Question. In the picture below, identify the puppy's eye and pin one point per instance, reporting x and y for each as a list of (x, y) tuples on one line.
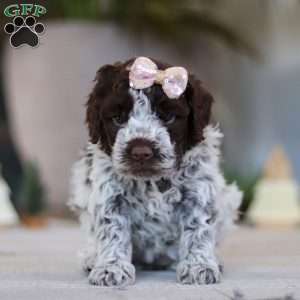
[(120, 119), (168, 118)]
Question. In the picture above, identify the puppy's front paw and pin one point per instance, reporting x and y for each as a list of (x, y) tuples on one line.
[(117, 274), (191, 273)]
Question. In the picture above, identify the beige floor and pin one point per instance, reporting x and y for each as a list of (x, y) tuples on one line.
[(43, 265)]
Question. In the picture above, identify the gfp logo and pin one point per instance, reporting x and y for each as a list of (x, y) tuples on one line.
[(24, 28)]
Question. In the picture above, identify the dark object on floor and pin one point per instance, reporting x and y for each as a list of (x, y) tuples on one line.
[(238, 295)]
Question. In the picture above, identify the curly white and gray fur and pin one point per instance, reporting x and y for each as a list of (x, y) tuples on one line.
[(130, 220)]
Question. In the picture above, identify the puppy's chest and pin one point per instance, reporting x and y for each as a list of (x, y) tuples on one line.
[(152, 205)]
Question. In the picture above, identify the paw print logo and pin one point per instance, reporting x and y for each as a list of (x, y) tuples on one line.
[(24, 31)]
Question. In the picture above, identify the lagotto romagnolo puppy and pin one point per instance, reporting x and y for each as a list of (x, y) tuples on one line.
[(148, 188)]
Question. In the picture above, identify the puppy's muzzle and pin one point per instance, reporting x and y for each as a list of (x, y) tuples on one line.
[(142, 152), (142, 157)]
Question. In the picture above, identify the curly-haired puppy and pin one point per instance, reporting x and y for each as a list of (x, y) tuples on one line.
[(148, 188)]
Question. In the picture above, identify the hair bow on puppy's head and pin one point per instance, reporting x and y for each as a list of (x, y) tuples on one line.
[(144, 73)]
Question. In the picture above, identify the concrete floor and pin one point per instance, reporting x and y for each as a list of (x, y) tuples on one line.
[(42, 265)]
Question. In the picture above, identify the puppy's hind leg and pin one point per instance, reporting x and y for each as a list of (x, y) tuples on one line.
[(228, 203), (81, 186), (88, 256)]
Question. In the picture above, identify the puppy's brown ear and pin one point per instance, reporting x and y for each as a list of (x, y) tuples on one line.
[(200, 101), (104, 80)]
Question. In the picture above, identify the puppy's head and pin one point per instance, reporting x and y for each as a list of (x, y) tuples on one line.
[(144, 131)]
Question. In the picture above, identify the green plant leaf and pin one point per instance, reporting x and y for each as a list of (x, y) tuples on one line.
[(31, 198)]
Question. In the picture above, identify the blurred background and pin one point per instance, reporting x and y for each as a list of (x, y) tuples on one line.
[(246, 52)]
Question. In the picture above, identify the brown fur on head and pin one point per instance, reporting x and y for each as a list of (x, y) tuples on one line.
[(110, 103)]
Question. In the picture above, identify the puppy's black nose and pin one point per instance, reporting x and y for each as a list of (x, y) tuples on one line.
[(141, 152)]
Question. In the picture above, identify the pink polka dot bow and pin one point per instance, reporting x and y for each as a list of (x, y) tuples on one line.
[(144, 73)]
